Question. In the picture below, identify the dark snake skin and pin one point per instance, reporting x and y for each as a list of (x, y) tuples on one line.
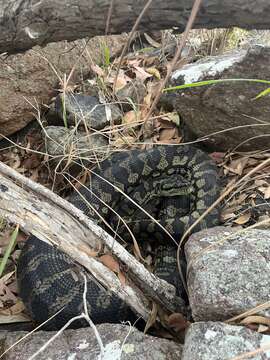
[(175, 184)]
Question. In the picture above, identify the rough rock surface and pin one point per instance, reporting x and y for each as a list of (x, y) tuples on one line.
[(119, 341), (32, 78), (217, 107), (228, 272), (219, 341), (66, 144), (85, 110)]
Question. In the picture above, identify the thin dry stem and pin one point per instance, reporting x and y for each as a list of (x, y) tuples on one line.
[(172, 64), (109, 17), (250, 312), (30, 333), (134, 28)]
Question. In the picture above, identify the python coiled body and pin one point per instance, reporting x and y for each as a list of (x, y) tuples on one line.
[(175, 184)]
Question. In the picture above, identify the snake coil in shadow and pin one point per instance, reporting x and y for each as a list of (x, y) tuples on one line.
[(175, 184)]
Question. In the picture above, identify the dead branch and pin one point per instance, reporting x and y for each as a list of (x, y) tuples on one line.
[(54, 220), (24, 24)]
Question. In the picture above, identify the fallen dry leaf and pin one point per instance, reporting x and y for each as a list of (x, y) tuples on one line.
[(171, 117), (256, 319), (124, 141), (151, 41), (178, 322), (266, 193), (13, 286), (8, 319), (120, 83), (153, 71), (122, 79), (169, 136), (147, 101), (152, 317), (260, 182), (243, 219), (110, 262), (141, 73), (6, 295), (15, 309), (131, 117), (81, 180), (134, 62), (21, 237), (97, 70), (31, 162), (263, 328), (5, 279), (237, 166), (226, 215), (14, 161)]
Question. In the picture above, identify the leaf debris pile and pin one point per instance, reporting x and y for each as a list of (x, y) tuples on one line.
[(250, 202)]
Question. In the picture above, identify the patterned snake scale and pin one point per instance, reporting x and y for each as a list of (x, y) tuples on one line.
[(175, 184)]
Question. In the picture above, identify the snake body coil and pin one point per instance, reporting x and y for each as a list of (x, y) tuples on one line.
[(174, 184)]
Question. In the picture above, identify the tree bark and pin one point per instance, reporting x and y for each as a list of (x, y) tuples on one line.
[(24, 24), (54, 220)]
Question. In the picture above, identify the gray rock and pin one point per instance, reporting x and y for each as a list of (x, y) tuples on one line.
[(85, 110), (218, 341), (82, 344), (229, 277), (215, 108), (63, 143)]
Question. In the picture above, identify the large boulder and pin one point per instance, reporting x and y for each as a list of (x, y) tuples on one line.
[(31, 79), (119, 341), (66, 145), (218, 341), (228, 272), (227, 109)]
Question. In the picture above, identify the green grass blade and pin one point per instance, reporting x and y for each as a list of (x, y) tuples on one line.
[(9, 249), (217, 81), (263, 93), (107, 56)]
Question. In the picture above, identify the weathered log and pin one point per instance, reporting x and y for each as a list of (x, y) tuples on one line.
[(24, 24), (54, 220)]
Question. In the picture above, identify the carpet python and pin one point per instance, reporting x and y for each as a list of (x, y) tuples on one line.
[(175, 184)]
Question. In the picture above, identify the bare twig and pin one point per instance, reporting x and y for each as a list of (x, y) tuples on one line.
[(250, 312), (172, 64), (109, 17), (84, 315), (135, 26)]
